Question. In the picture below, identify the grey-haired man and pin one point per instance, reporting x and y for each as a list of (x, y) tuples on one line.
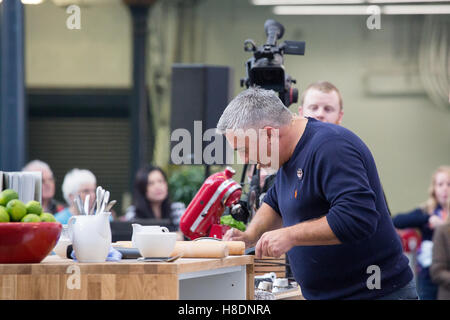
[(326, 209)]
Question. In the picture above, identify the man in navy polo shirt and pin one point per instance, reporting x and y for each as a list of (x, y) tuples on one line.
[(326, 209)]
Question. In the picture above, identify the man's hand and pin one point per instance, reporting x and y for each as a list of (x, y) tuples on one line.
[(264, 220), (237, 235), (314, 232), (274, 243)]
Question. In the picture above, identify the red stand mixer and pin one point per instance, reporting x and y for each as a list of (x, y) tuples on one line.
[(202, 216)]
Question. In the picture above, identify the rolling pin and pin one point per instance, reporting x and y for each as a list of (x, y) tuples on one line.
[(235, 248), (200, 249)]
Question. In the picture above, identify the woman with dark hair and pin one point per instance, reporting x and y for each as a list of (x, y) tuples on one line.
[(151, 197)]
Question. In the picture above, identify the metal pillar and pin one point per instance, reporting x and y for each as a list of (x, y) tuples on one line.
[(140, 113), (12, 97)]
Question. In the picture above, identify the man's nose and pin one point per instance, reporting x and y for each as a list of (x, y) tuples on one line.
[(320, 112)]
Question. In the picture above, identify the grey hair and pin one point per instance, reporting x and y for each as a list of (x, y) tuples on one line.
[(73, 181), (254, 108), (37, 165)]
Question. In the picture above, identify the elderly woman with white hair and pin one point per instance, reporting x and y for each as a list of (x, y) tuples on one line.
[(49, 204), (77, 182)]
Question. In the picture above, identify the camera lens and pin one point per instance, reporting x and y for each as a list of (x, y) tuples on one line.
[(271, 78), (294, 95)]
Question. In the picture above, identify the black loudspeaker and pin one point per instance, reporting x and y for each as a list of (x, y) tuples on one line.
[(199, 95)]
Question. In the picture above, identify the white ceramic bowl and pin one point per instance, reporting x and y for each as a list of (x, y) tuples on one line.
[(155, 245)]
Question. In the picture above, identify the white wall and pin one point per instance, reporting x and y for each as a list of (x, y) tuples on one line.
[(97, 55), (408, 136)]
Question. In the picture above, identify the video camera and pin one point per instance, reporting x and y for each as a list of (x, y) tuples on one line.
[(265, 69)]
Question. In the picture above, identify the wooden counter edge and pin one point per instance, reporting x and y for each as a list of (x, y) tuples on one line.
[(53, 265)]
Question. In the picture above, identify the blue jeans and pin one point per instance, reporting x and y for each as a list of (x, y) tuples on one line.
[(426, 288), (408, 292)]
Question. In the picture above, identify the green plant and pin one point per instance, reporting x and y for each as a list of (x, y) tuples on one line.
[(184, 182)]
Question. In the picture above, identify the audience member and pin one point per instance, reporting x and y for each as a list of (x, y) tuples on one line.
[(151, 198), (440, 265), (49, 204), (427, 218), (323, 101), (77, 182)]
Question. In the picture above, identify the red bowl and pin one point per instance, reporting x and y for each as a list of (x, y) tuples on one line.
[(27, 242)]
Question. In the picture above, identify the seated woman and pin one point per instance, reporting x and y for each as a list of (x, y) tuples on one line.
[(426, 218), (151, 198), (76, 182)]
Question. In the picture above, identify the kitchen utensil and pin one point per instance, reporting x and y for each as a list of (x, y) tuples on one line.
[(161, 259), (174, 258), (102, 196), (94, 205), (104, 201), (201, 249), (77, 208), (110, 205), (98, 197), (235, 248), (79, 204), (86, 204)]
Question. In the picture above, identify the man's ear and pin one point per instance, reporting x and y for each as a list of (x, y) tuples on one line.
[(300, 111), (341, 115)]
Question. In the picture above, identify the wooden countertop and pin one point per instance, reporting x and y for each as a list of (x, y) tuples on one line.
[(57, 265), (128, 279)]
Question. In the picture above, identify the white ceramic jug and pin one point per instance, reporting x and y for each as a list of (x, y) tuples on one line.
[(91, 236), (147, 229)]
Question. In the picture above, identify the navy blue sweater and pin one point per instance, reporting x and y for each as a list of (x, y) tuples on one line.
[(332, 173)]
